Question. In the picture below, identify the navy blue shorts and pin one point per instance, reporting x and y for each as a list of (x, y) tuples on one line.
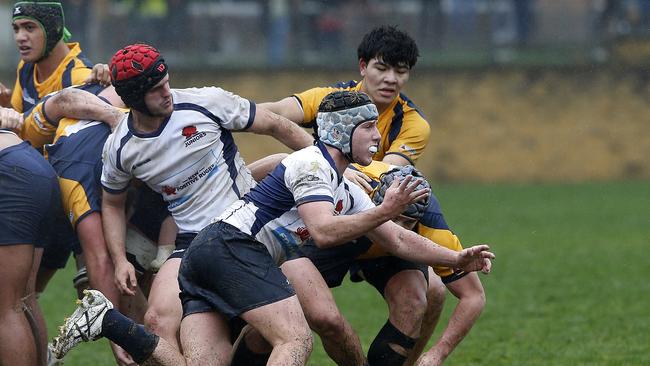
[(334, 263), (183, 242), (228, 271), (29, 195), (378, 271), (62, 243)]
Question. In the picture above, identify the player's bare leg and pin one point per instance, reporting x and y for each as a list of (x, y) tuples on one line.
[(163, 316), (17, 343), (283, 324), (436, 294), (40, 327), (206, 339), (471, 296), (339, 339), (405, 294), (99, 265)]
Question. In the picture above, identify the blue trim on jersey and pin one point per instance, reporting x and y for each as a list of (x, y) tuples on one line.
[(396, 123), (26, 79), (347, 189), (315, 198), (125, 139), (66, 79), (346, 84), (156, 133), (328, 157), (229, 153), (115, 191), (433, 217), (93, 88), (251, 114), (197, 108), (81, 56), (50, 121), (402, 155), (271, 197), (410, 103)]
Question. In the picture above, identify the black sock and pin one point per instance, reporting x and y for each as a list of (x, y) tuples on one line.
[(381, 353), (124, 332), (244, 356)]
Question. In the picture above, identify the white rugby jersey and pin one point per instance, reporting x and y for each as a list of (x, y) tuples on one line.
[(269, 212), (192, 159)]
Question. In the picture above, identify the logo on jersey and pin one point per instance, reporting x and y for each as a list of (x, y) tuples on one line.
[(203, 172), (407, 149), (39, 120), (192, 135), (169, 190), (188, 131), (303, 233), (338, 208)]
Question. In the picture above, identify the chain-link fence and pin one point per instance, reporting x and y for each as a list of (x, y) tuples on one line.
[(325, 33)]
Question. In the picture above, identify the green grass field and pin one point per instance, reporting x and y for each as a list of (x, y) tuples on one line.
[(569, 286)]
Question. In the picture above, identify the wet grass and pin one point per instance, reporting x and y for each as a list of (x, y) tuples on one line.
[(569, 286)]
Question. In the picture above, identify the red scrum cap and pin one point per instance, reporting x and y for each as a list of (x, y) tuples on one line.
[(134, 70)]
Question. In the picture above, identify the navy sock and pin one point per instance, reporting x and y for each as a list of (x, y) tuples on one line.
[(124, 332), (381, 353)]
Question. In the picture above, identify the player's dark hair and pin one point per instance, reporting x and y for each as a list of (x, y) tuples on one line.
[(391, 45)]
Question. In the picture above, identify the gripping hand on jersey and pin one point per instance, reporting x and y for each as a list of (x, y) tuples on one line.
[(100, 74), (10, 118), (359, 179), (401, 194), (5, 96)]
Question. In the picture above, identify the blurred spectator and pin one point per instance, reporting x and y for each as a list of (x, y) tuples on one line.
[(524, 20), (77, 14), (279, 26)]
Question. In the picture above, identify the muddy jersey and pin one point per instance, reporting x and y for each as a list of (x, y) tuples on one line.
[(191, 160), (269, 212)]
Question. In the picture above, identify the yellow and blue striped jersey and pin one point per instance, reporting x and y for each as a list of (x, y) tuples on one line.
[(403, 128), (73, 70)]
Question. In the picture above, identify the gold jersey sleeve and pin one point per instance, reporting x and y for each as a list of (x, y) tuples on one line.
[(403, 128)]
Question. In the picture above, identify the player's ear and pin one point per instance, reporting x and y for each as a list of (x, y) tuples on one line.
[(363, 65)]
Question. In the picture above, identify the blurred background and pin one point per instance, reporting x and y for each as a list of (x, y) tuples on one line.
[(515, 90)]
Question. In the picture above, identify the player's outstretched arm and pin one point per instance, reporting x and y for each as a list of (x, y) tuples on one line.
[(414, 247), (288, 107), (79, 104), (282, 129)]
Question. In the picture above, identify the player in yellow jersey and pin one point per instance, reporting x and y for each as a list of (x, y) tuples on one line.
[(398, 280), (47, 64), (386, 56)]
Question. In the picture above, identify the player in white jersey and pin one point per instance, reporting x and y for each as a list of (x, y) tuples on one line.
[(229, 273), (179, 143)]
